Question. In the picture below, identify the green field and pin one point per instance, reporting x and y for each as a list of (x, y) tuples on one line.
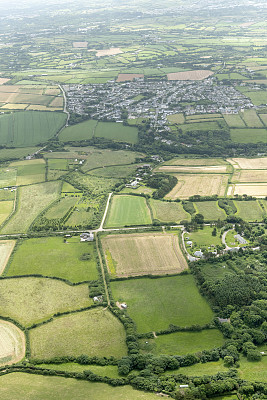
[(97, 158), (155, 303), (31, 201), (52, 257), (6, 208), (128, 210), (200, 126), (8, 177), (81, 131), (29, 128), (234, 121), (117, 131), (116, 171), (251, 119), (168, 212), (249, 210), (183, 342), (203, 238), (29, 172), (249, 135), (60, 209), (58, 163), (14, 154), (16, 386), (31, 300), (95, 332), (257, 97), (210, 210)]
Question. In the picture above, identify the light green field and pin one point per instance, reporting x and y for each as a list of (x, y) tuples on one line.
[(52, 257), (8, 177), (257, 97), (183, 342), (231, 241), (210, 210), (168, 212), (58, 163), (251, 119), (234, 121), (16, 386), (31, 300), (141, 189), (176, 118), (30, 173), (81, 131), (7, 195), (6, 208), (95, 332), (29, 128), (31, 201), (117, 131), (61, 207), (106, 157), (200, 126), (68, 188), (128, 210), (155, 303), (249, 210), (204, 238), (108, 370), (116, 171), (249, 135)]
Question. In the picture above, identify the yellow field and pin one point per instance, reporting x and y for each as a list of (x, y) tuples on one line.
[(12, 343), (253, 189), (210, 169), (6, 248), (198, 184), (249, 163), (57, 102), (27, 162), (109, 52), (3, 80), (141, 254), (196, 75), (11, 106), (196, 161), (176, 118), (250, 176)]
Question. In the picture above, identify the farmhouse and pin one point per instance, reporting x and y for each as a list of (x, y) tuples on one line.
[(198, 253), (240, 239), (87, 237)]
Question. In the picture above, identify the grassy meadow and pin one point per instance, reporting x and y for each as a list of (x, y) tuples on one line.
[(210, 210), (249, 210), (168, 212)]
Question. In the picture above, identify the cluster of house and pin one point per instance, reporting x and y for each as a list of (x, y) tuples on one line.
[(155, 100)]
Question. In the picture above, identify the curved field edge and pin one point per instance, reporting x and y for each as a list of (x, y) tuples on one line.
[(12, 343)]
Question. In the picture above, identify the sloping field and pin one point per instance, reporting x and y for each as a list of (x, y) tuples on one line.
[(29, 171), (94, 332), (8, 177), (249, 135), (196, 75), (16, 386), (128, 210), (198, 184), (155, 303), (29, 128), (6, 248), (253, 189), (146, 253), (31, 201), (12, 343), (6, 207), (168, 211), (117, 131), (234, 121), (249, 210), (251, 163), (29, 300), (251, 119), (81, 131), (210, 210), (251, 176), (211, 169), (196, 162)]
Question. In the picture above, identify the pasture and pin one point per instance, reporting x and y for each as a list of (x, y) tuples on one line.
[(117, 131), (29, 171), (182, 343), (141, 254), (94, 332), (30, 300), (155, 303), (168, 211), (60, 209), (210, 210), (234, 121), (57, 163), (200, 126), (8, 177), (16, 385), (198, 184), (128, 210), (176, 118), (12, 343), (249, 211), (82, 131), (203, 238), (29, 128), (6, 208), (249, 135), (251, 119), (6, 248), (13, 154), (53, 257), (116, 171), (31, 201)]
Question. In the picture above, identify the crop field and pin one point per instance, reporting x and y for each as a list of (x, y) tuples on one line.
[(197, 75), (234, 121), (250, 163), (94, 332), (128, 77), (250, 176), (6, 208), (31, 201), (117, 131), (12, 154), (29, 128), (210, 210), (253, 189), (249, 135), (82, 131), (97, 158), (155, 303), (168, 212), (145, 253), (182, 343), (60, 209), (12, 343), (211, 169), (6, 248), (16, 385), (29, 171), (198, 184), (29, 300), (251, 119), (58, 163), (34, 256), (249, 210), (128, 210), (203, 162)]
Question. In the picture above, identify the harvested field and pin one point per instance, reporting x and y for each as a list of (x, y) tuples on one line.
[(6, 248), (196, 75), (250, 163), (94, 332), (250, 176), (80, 45), (146, 253), (31, 300), (196, 161), (4, 80), (12, 343), (57, 102), (128, 77), (198, 184), (253, 189), (212, 169), (168, 211), (109, 52)]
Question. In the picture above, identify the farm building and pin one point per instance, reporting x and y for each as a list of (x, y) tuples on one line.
[(240, 239), (198, 253), (87, 237)]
